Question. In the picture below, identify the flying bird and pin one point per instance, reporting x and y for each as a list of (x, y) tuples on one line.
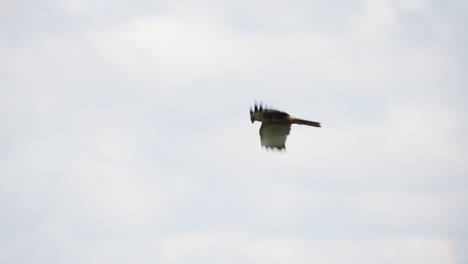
[(276, 125)]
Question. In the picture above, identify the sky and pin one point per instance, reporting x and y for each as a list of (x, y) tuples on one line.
[(125, 135)]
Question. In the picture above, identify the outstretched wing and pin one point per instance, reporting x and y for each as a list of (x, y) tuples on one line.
[(273, 135)]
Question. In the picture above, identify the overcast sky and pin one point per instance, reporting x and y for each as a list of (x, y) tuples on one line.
[(125, 135)]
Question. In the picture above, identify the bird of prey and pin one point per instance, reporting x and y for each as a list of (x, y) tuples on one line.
[(275, 126)]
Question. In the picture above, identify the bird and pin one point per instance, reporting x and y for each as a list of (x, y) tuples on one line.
[(276, 125)]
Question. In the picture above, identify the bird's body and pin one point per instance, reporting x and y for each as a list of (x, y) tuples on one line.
[(273, 135), (276, 126)]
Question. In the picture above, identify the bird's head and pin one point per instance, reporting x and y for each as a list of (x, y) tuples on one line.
[(254, 114)]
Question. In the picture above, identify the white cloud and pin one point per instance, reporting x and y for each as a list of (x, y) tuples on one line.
[(112, 181), (189, 44), (376, 21), (410, 211), (237, 247), (414, 5), (282, 202)]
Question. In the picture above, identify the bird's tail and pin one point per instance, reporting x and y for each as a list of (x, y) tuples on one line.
[(304, 122)]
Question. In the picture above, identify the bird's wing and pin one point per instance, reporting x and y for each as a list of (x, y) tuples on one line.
[(273, 135)]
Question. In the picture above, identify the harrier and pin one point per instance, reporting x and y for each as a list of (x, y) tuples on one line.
[(275, 126)]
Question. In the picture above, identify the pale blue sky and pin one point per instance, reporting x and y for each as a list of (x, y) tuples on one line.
[(125, 135)]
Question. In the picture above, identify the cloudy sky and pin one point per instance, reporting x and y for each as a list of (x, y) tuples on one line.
[(125, 135)]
